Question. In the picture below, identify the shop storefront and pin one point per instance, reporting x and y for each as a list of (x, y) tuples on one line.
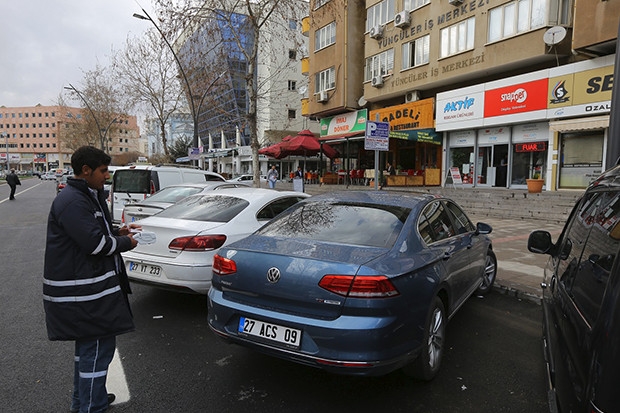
[(550, 125), (415, 147), (582, 158)]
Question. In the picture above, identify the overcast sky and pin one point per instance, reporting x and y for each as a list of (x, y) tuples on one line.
[(47, 44)]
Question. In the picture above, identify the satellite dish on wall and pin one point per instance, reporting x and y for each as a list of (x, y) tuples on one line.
[(362, 101), (554, 35), (302, 90)]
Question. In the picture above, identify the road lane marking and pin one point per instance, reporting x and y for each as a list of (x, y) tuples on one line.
[(116, 381)]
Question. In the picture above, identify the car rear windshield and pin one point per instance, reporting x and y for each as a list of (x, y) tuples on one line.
[(133, 181), (212, 208), (353, 224), (173, 194)]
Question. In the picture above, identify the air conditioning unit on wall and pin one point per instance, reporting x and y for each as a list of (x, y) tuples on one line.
[(322, 97), (377, 81), (412, 96), (376, 32), (402, 19)]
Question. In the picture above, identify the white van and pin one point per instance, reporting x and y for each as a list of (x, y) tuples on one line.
[(135, 183)]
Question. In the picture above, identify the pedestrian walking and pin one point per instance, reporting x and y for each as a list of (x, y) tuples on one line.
[(272, 177), (13, 180), (85, 284), (299, 174)]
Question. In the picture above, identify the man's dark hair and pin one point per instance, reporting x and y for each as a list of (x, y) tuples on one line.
[(88, 155)]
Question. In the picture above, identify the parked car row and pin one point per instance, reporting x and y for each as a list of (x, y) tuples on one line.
[(364, 283), (135, 183), (356, 283)]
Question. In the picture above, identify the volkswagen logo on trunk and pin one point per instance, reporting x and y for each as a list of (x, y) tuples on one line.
[(273, 275)]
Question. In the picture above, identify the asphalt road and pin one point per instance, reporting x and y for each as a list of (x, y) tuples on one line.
[(173, 363)]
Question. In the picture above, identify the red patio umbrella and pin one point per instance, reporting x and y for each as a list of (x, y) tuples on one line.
[(306, 144)]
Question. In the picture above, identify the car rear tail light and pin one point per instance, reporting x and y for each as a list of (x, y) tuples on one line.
[(123, 217), (378, 286), (198, 243), (223, 266), (152, 188)]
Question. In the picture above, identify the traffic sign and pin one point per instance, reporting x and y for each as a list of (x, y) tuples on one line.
[(377, 136)]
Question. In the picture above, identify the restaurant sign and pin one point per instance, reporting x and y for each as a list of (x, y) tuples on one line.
[(410, 121)]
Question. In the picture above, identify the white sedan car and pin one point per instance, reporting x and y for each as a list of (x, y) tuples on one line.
[(190, 232), (167, 196), (248, 179)]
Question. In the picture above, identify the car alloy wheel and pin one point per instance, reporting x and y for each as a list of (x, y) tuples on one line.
[(488, 277), (426, 366)]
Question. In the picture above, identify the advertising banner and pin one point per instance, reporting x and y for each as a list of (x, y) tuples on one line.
[(519, 98), (346, 124)]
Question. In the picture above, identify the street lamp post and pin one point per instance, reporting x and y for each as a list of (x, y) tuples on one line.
[(195, 110), (101, 136)]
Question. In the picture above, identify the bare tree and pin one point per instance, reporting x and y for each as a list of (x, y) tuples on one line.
[(148, 74), (75, 130), (104, 107), (242, 20)]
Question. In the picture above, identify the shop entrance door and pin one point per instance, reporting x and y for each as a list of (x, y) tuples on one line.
[(483, 161), (491, 165)]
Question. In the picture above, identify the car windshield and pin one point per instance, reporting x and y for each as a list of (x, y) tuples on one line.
[(173, 194), (132, 180), (212, 208), (343, 223)]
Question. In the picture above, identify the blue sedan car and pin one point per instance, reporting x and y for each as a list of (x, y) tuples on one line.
[(359, 283)]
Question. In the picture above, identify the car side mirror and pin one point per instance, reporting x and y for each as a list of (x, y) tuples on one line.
[(540, 242), (482, 228)]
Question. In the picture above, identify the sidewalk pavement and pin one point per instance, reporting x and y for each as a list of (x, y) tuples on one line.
[(519, 272)]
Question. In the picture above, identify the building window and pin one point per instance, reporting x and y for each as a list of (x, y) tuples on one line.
[(416, 52), (292, 114), (380, 64), (292, 85), (379, 14), (325, 80), (516, 17), (414, 4), (457, 38), (292, 24), (325, 36)]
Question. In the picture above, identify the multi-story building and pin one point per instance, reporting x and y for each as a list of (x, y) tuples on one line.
[(178, 126), (502, 90), (218, 81), (33, 136)]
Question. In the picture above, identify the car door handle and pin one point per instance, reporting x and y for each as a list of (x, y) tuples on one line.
[(447, 255)]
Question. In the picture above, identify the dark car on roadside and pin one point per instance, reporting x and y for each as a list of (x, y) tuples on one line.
[(353, 282), (581, 302)]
